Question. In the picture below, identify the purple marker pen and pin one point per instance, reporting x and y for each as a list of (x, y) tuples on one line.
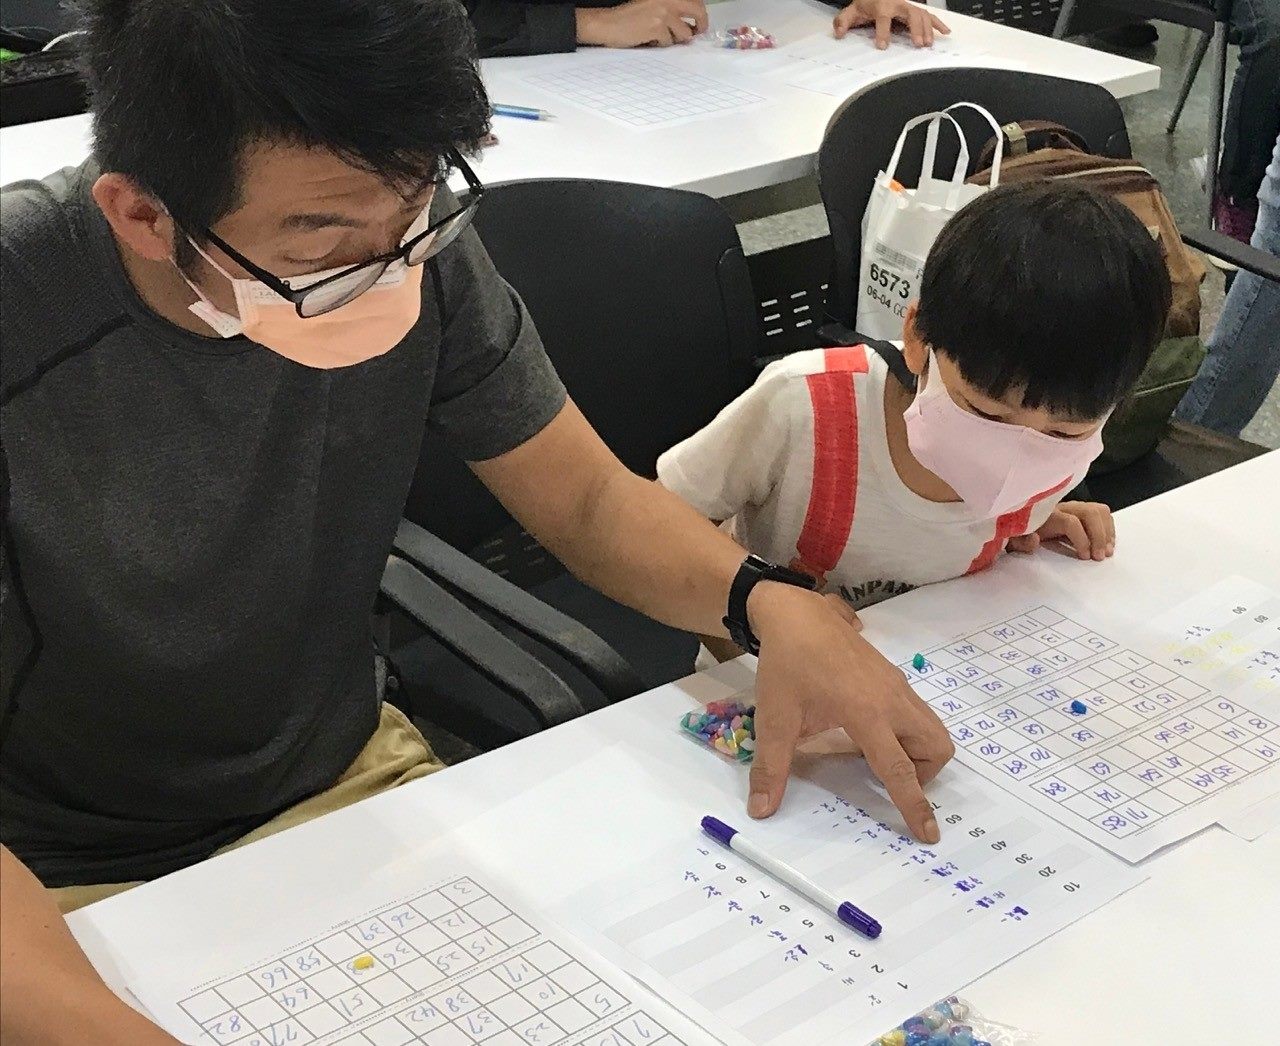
[(784, 873)]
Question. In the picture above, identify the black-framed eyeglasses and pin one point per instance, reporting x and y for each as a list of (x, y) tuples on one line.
[(333, 292)]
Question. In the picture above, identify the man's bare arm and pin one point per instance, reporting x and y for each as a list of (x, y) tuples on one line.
[(642, 545), (50, 994)]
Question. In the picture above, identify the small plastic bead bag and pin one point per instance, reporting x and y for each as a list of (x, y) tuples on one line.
[(744, 38)]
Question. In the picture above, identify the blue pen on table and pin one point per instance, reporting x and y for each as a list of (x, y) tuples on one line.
[(521, 112), (784, 873)]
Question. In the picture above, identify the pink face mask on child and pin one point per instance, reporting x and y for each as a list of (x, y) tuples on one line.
[(995, 467)]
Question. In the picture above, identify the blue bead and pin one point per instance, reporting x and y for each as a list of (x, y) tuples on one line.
[(940, 1038), (961, 1035), (1079, 708), (918, 1038), (945, 1009)]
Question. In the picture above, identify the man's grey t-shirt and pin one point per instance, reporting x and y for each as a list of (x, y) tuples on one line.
[(195, 530)]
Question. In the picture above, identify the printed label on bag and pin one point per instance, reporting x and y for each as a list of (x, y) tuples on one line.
[(893, 280)]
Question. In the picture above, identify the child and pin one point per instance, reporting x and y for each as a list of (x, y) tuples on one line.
[(877, 471)]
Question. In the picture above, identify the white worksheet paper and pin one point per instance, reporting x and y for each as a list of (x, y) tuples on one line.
[(1254, 820), (456, 960), (821, 63), (1181, 721), (749, 958), (642, 92)]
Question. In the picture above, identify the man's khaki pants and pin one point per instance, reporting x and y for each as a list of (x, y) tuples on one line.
[(397, 752)]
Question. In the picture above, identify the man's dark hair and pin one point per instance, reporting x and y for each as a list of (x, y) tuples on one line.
[(1048, 288), (180, 87)]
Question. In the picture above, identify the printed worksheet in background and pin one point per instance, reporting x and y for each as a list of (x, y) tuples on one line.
[(643, 92), (821, 63), (437, 952), (749, 958), (1134, 733)]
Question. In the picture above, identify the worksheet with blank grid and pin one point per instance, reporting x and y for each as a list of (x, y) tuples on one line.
[(449, 966), (1169, 733), (642, 92)]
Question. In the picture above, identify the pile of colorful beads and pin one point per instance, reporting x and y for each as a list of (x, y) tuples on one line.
[(745, 38), (940, 1025), (727, 726)]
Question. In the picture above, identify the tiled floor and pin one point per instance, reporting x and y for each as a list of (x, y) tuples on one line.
[(789, 213)]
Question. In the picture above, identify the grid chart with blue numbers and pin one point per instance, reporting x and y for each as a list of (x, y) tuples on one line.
[(1151, 743), (452, 966)]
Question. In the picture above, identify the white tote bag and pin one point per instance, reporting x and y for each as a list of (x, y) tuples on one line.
[(900, 225)]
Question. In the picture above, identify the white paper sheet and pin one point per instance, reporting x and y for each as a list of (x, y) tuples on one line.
[(757, 963), (1254, 820), (456, 960), (641, 92), (1181, 720), (821, 63)]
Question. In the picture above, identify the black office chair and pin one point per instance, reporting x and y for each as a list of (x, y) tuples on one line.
[(44, 82), (457, 726), (859, 141), (643, 300)]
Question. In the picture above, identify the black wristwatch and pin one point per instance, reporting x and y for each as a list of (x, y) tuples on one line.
[(752, 572)]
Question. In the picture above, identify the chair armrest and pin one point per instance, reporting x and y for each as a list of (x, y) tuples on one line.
[(546, 696), (1242, 255), (587, 652), (834, 334)]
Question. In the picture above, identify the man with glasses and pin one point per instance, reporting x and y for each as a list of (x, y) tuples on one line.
[(223, 336)]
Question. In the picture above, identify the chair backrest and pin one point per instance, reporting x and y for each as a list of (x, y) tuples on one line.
[(41, 87), (644, 303), (861, 136)]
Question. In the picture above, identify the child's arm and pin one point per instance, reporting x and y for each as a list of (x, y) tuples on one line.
[(738, 458), (1087, 527)]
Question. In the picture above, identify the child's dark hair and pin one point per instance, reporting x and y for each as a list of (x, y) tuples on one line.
[(1049, 288)]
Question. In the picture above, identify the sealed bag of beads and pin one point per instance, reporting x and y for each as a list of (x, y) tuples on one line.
[(727, 726), (744, 38), (953, 1022)]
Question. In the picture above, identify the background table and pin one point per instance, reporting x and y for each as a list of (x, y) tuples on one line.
[(1182, 957), (719, 155)]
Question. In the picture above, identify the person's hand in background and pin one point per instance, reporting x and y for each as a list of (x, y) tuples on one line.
[(641, 23), (884, 15)]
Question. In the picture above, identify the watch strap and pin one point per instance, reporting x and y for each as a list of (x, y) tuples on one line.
[(754, 569)]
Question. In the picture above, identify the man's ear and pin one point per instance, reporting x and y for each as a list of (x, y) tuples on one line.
[(914, 349), (138, 220)]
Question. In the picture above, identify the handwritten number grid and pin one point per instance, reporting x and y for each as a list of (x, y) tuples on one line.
[(643, 93), (766, 961), (1152, 742), (939, 884), (534, 995)]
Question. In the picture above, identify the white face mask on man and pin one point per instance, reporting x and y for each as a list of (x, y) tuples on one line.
[(368, 326), (993, 466)]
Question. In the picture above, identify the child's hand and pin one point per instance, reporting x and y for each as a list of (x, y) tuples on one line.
[(1084, 525), (844, 610)]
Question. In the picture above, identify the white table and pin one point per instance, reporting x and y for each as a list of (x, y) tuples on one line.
[(1183, 956), (719, 155)]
